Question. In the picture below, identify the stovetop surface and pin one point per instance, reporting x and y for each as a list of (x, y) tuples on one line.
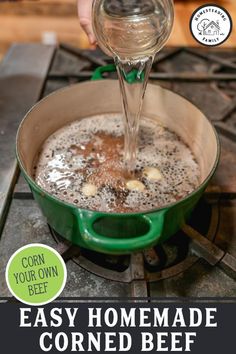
[(187, 266)]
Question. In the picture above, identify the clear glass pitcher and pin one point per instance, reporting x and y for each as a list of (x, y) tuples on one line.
[(132, 29)]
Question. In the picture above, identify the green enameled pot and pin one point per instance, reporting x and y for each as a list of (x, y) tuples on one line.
[(115, 233)]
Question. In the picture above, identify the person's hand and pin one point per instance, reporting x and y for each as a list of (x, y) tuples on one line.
[(85, 18)]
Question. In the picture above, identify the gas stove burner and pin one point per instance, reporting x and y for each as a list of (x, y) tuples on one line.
[(203, 254), (157, 263)]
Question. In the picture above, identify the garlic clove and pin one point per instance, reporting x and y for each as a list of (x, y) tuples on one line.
[(152, 173), (135, 185), (89, 190)]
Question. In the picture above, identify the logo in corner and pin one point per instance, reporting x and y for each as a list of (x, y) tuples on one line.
[(211, 25)]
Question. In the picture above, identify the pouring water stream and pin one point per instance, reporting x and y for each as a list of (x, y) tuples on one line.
[(132, 98), (132, 31)]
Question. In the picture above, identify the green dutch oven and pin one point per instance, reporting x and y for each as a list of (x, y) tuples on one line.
[(115, 233)]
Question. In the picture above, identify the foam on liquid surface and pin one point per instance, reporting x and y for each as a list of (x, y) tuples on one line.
[(90, 152)]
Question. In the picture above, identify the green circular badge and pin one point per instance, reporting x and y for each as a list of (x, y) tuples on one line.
[(36, 274)]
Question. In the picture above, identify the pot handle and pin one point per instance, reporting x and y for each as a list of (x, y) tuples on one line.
[(131, 77), (97, 74), (112, 245)]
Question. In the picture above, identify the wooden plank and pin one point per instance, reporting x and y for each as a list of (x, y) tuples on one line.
[(56, 8), (26, 21), (22, 76), (32, 29)]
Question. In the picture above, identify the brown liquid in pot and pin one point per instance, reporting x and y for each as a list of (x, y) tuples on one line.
[(82, 164)]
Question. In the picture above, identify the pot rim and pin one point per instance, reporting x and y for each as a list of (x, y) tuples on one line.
[(106, 213)]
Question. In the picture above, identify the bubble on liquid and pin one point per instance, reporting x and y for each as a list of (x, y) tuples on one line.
[(74, 163)]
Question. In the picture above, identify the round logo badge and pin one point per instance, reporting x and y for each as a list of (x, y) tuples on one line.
[(36, 274), (211, 25)]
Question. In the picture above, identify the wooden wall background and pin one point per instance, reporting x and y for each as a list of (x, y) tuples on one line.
[(28, 20)]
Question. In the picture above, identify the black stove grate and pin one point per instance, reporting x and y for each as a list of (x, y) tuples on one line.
[(199, 260), (162, 261)]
